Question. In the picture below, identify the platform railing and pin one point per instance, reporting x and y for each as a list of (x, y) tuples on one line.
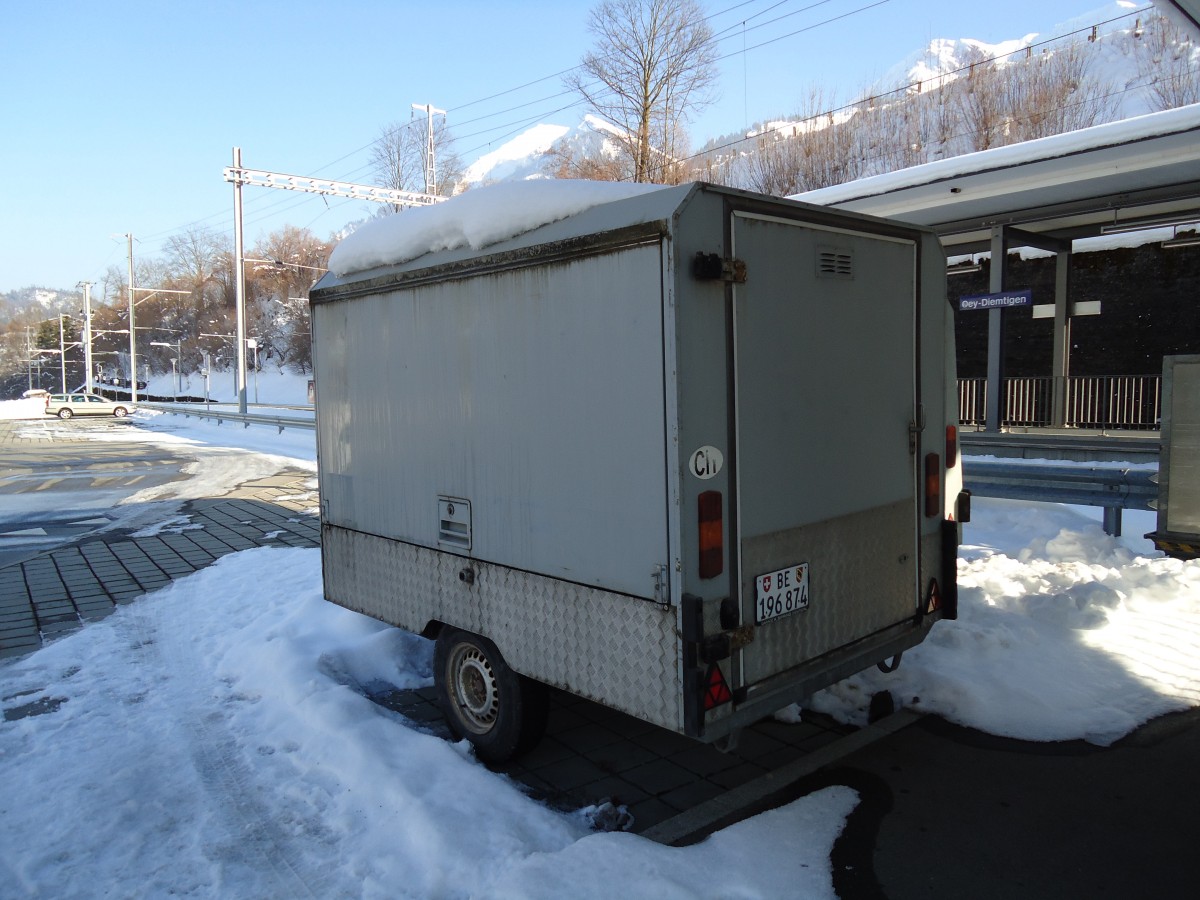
[(1101, 402)]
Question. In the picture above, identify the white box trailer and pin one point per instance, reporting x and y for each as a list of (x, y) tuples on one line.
[(689, 454)]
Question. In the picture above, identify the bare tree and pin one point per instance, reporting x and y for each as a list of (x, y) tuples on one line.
[(772, 165), (398, 156), (199, 260), (891, 133), (817, 150), (1169, 60), (195, 255), (278, 290), (1034, 96), (565, 160), (716, 167), (979, 99), (1055, 92), (654, 65)]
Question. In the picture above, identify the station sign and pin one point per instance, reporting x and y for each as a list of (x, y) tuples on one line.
[(1001, 300)]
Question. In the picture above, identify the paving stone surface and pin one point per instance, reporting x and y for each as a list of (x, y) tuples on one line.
[(592, 755), (60, 589)]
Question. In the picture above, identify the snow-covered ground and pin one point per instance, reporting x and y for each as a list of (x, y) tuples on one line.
[(216, 738)]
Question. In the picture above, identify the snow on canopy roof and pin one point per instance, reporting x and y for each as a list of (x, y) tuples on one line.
[(476, 219), (1111, 134), (1066, 187)]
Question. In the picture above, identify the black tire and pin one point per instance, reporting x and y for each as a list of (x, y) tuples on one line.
[(65, 413), (120, 412), (503, 714)]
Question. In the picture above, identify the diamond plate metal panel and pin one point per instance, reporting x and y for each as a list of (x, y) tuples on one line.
[(617, 650), (861, 579)]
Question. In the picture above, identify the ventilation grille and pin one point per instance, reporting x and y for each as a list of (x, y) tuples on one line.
[(835, 263)]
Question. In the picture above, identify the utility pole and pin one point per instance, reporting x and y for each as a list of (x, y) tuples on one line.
[(150, 292), (132, 330), (87, 333), (62, 353), (430, 170), (239, 275)]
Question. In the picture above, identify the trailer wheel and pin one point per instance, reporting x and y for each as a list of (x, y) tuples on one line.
[(499, 711)]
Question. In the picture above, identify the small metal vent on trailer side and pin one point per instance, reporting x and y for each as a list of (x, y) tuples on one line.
[(454, 523), (834, 262)]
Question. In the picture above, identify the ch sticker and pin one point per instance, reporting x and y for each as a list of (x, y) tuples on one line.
[(706, 462)]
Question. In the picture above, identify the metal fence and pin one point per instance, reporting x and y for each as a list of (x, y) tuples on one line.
[(1105, 401)]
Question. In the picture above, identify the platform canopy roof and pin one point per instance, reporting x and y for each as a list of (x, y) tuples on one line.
[(1109, 178)]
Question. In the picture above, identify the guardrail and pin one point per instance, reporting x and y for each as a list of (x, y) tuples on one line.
[(1103, 401), (224, 415), (1112, 488)]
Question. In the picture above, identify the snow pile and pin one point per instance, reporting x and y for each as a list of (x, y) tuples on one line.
[(216, 739), (27, 408), (1063, 633), (476, 219)]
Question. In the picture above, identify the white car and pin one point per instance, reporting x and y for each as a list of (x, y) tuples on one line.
[(67, 405)]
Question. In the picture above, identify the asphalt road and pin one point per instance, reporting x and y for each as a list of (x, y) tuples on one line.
[(951, 812), (64, 488)]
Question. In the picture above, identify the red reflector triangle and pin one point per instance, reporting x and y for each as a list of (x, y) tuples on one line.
[(716, 690), (935, 597)]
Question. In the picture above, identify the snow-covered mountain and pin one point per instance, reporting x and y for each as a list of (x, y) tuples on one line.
[(1112, 52), (520, 157), (37, 300), (526, 155)]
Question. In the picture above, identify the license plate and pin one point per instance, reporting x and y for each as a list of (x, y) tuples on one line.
[(781, 593)]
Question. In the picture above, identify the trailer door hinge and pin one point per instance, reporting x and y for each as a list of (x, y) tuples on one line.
[(915, 427), (714, 267), (662, 585)]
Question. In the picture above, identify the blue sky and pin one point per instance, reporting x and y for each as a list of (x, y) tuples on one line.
[(120, 116)]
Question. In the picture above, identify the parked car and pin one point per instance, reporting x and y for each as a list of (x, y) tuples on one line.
[(67, 405)]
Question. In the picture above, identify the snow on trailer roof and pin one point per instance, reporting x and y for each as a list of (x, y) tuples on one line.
[(497, 218), (1067, 186), (509, 218)]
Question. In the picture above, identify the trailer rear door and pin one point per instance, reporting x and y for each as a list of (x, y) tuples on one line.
[(825, 362)]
